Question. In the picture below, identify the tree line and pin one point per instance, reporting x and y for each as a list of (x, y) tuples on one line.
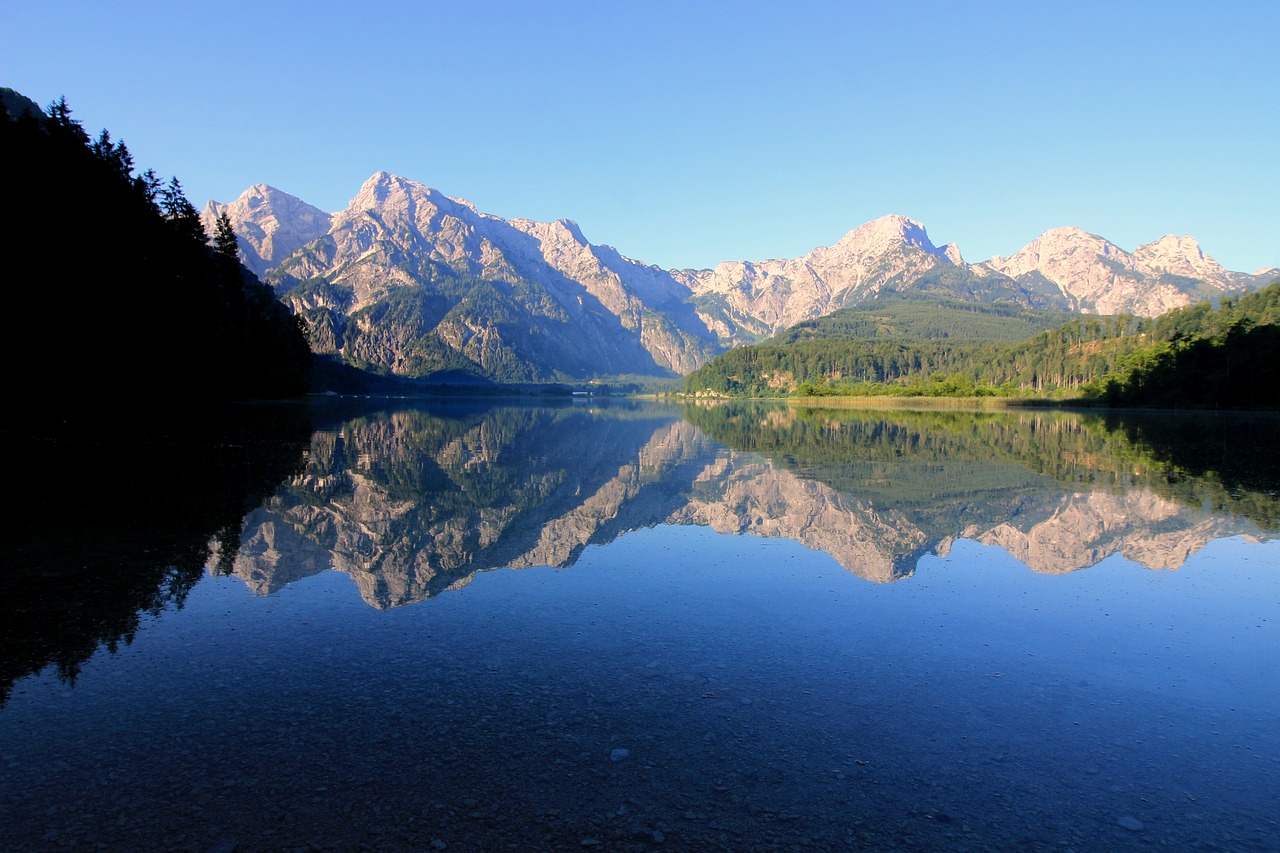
[(115, 287), (1191, 357)]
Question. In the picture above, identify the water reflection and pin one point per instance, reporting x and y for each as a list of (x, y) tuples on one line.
[(412, 503), (679, 689), (115, 519)]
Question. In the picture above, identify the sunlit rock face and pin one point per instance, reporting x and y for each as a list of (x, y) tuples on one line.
[(562, 307), (892, 253), (1181, 256), (270, 225), (558, 306), (1098, 277)]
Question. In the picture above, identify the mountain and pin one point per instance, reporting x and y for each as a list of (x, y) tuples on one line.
[(409, 281), (16, 104), (913, 347), (1096, 276), (889, 254), (270, 225)]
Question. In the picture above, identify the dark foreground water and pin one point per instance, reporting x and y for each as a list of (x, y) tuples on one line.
[(737, 629)]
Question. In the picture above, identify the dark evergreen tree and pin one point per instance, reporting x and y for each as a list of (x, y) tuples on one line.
[(224, 238), (61, 125), (130, 301), (116, 156), (147, 185), (181, 213)]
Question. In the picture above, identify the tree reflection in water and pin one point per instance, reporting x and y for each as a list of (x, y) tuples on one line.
[(116, 517), (121, 520), (413, 503), (765, 699)]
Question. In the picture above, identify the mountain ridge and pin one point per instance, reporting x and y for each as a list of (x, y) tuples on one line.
[(587, 310)]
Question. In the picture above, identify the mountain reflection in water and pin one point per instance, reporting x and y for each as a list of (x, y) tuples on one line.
[(182, 669), (413, 503)]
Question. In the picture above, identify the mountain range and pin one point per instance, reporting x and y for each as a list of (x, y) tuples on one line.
[(409, 281)]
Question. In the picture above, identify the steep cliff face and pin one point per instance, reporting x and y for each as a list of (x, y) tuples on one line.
[(416, 283), (648, 301), (1098, 277), (892, 253), (270, 225)]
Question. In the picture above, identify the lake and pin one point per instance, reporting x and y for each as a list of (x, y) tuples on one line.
[(621, 625)]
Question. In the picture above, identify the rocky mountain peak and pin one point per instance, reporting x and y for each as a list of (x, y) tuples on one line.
[(384, 188), (397, 232), (270, 224), (1090, 272), (1180, 256), (572, 228), (1185, 246), (1070, 237), (885, 234), (1058, 246), (1097, 276), (562, 233), (402, 196), (258, 195)]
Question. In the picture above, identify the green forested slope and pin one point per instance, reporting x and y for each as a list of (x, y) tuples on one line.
[(1188, 357), (914, 318)]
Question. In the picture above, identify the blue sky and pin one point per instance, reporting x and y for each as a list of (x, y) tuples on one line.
[(688, 133)]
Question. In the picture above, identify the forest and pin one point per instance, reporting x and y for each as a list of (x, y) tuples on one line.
[(115, 289), (1193, 357)]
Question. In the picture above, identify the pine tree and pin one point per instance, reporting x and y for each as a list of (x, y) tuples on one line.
[(147, 185), (181, 213), (224, 239), (61, 124), (116, 155)]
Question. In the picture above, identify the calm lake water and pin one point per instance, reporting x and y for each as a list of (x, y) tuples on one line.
[(640, 627)]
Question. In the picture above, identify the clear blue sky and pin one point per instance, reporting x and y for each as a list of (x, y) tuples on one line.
[(687, 133)]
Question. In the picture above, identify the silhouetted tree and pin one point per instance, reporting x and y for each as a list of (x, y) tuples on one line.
[(181, 213), (224, 238), (132, 301), (62, 125), (116, 156)]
